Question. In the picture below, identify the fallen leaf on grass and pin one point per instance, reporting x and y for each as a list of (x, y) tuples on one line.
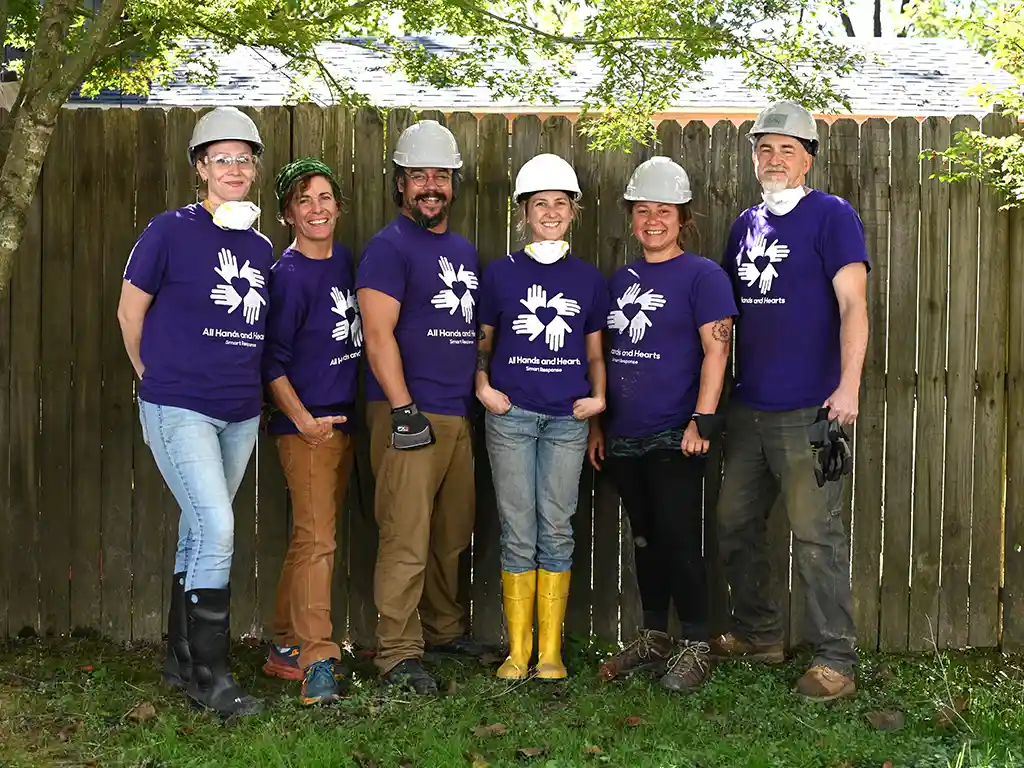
[(494, 729), (452, 688), (530, 752), (405, 762), (948, 715), (592, 750), (887, 719), (476, 760), (140, 713), (87, 668), (69, 730), (633, 721), (185, 730), (887, 764), (362, 760)]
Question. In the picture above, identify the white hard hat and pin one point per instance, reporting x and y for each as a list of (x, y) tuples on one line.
[(224, 124), (546, 172), (427, 144), (659, 180), (786, 118)]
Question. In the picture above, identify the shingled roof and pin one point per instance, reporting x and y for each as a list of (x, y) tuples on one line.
[(912, 76)]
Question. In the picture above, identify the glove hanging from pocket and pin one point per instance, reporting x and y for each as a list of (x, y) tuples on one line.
[(410, 429), (832, 455)]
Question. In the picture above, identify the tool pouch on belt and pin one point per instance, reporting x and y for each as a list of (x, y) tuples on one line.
[(410, 429), (832, 455)]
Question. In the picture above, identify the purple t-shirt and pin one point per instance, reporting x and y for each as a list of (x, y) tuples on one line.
[(202, 338), (656, 354), (435, 278), (314, 335), (543, 314), (788, 353)]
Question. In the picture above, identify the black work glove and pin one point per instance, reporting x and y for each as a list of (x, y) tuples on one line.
[(832, 455), (709, 425), (410, 429)]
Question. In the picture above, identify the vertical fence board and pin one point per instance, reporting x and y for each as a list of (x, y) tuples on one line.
[(1013, 565), (723, 203), (26, 291), (6, 520), (869, 464), (87, 272), (57, 353), (525, 144), (492, 211), (150, 496), (899, 391), (931, 416), (272, 509), (960, 378), (371, 210), (990, 417), (120, 130)]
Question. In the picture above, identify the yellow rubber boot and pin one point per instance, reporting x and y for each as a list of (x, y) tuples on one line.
[(519, 590), (552, 595)]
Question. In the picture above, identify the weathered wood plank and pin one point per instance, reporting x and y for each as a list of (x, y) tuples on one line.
[(960, 379), (87, 275), (931, 416), (1013, 543), (7, 542), (26, 292), (899, 390), (308, 124), (57, 354), (525, 145), (990, 411), (723, 201), (870, 430)]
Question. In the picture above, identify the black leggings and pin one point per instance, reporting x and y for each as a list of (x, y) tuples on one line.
[(662, 492)]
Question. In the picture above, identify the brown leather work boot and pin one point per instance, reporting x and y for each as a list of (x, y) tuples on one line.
[(821, 683), (731, 646), (689, 669), (650, 650)]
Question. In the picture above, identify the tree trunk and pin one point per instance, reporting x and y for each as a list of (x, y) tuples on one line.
[(845, 18), (878, 18)]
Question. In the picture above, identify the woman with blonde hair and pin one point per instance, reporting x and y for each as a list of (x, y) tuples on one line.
[(542, 311)]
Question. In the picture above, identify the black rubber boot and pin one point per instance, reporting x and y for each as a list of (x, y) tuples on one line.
[(178, 663), (212, 685)]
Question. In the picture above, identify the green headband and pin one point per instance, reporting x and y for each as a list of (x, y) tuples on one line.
[(293, 170)]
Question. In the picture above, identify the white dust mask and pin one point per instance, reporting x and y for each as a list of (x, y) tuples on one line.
[(782, 202), (236, 214), (547, 251)]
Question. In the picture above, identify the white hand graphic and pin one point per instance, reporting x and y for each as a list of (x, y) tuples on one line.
[(617, 321), (466, 302), (226, 296), (651, 300), (446, 299), (252, 275), (528, 325), (447, 273), (756, 249), (340, 303), (767, 276), (563, 306), (776, 252), (638, 326), (467, 277), (536, 298), (748, 273), (629, 296), (228, 269), (340, 332), (356, 330), (252, 304), (554, 334)]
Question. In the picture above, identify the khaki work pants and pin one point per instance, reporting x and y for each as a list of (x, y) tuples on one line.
[(425, 503), (317, 480)]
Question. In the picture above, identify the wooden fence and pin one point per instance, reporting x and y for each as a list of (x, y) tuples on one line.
[(87, 528)]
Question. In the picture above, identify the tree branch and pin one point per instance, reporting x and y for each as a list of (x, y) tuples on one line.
[(3, 24), (91, 47), (877, 16), (845, 17)]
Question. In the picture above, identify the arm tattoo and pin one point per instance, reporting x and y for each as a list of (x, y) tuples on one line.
[(483, 360), (721, 331)]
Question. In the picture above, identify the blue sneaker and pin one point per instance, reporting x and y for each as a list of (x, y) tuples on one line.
[(320, 686), (283, 662)]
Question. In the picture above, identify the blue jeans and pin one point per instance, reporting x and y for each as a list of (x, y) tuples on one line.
[(535, 465), (202, 460)]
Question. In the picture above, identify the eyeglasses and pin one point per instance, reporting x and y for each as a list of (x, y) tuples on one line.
[(226, 161), (419, 178)]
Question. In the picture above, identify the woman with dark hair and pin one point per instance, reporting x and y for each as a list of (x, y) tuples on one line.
[(193, 310), (670, 329), (314, 341)]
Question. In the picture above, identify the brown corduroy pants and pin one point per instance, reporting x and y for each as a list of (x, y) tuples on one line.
[(425, 503)]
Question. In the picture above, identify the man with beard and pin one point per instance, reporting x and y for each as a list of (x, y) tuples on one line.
[(799, 264), (417, 286)]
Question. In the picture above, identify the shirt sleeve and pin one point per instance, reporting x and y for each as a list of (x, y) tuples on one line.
[(489, 309), (843, 240), (713, 297), (598, 314), (382, 268), (147, 262), (288, 306)]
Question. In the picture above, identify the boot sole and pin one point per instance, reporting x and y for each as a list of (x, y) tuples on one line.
[(765, 657), (847, 690), (272, 669)]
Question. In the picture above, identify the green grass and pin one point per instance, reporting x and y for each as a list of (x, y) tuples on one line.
[(68, 702)]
